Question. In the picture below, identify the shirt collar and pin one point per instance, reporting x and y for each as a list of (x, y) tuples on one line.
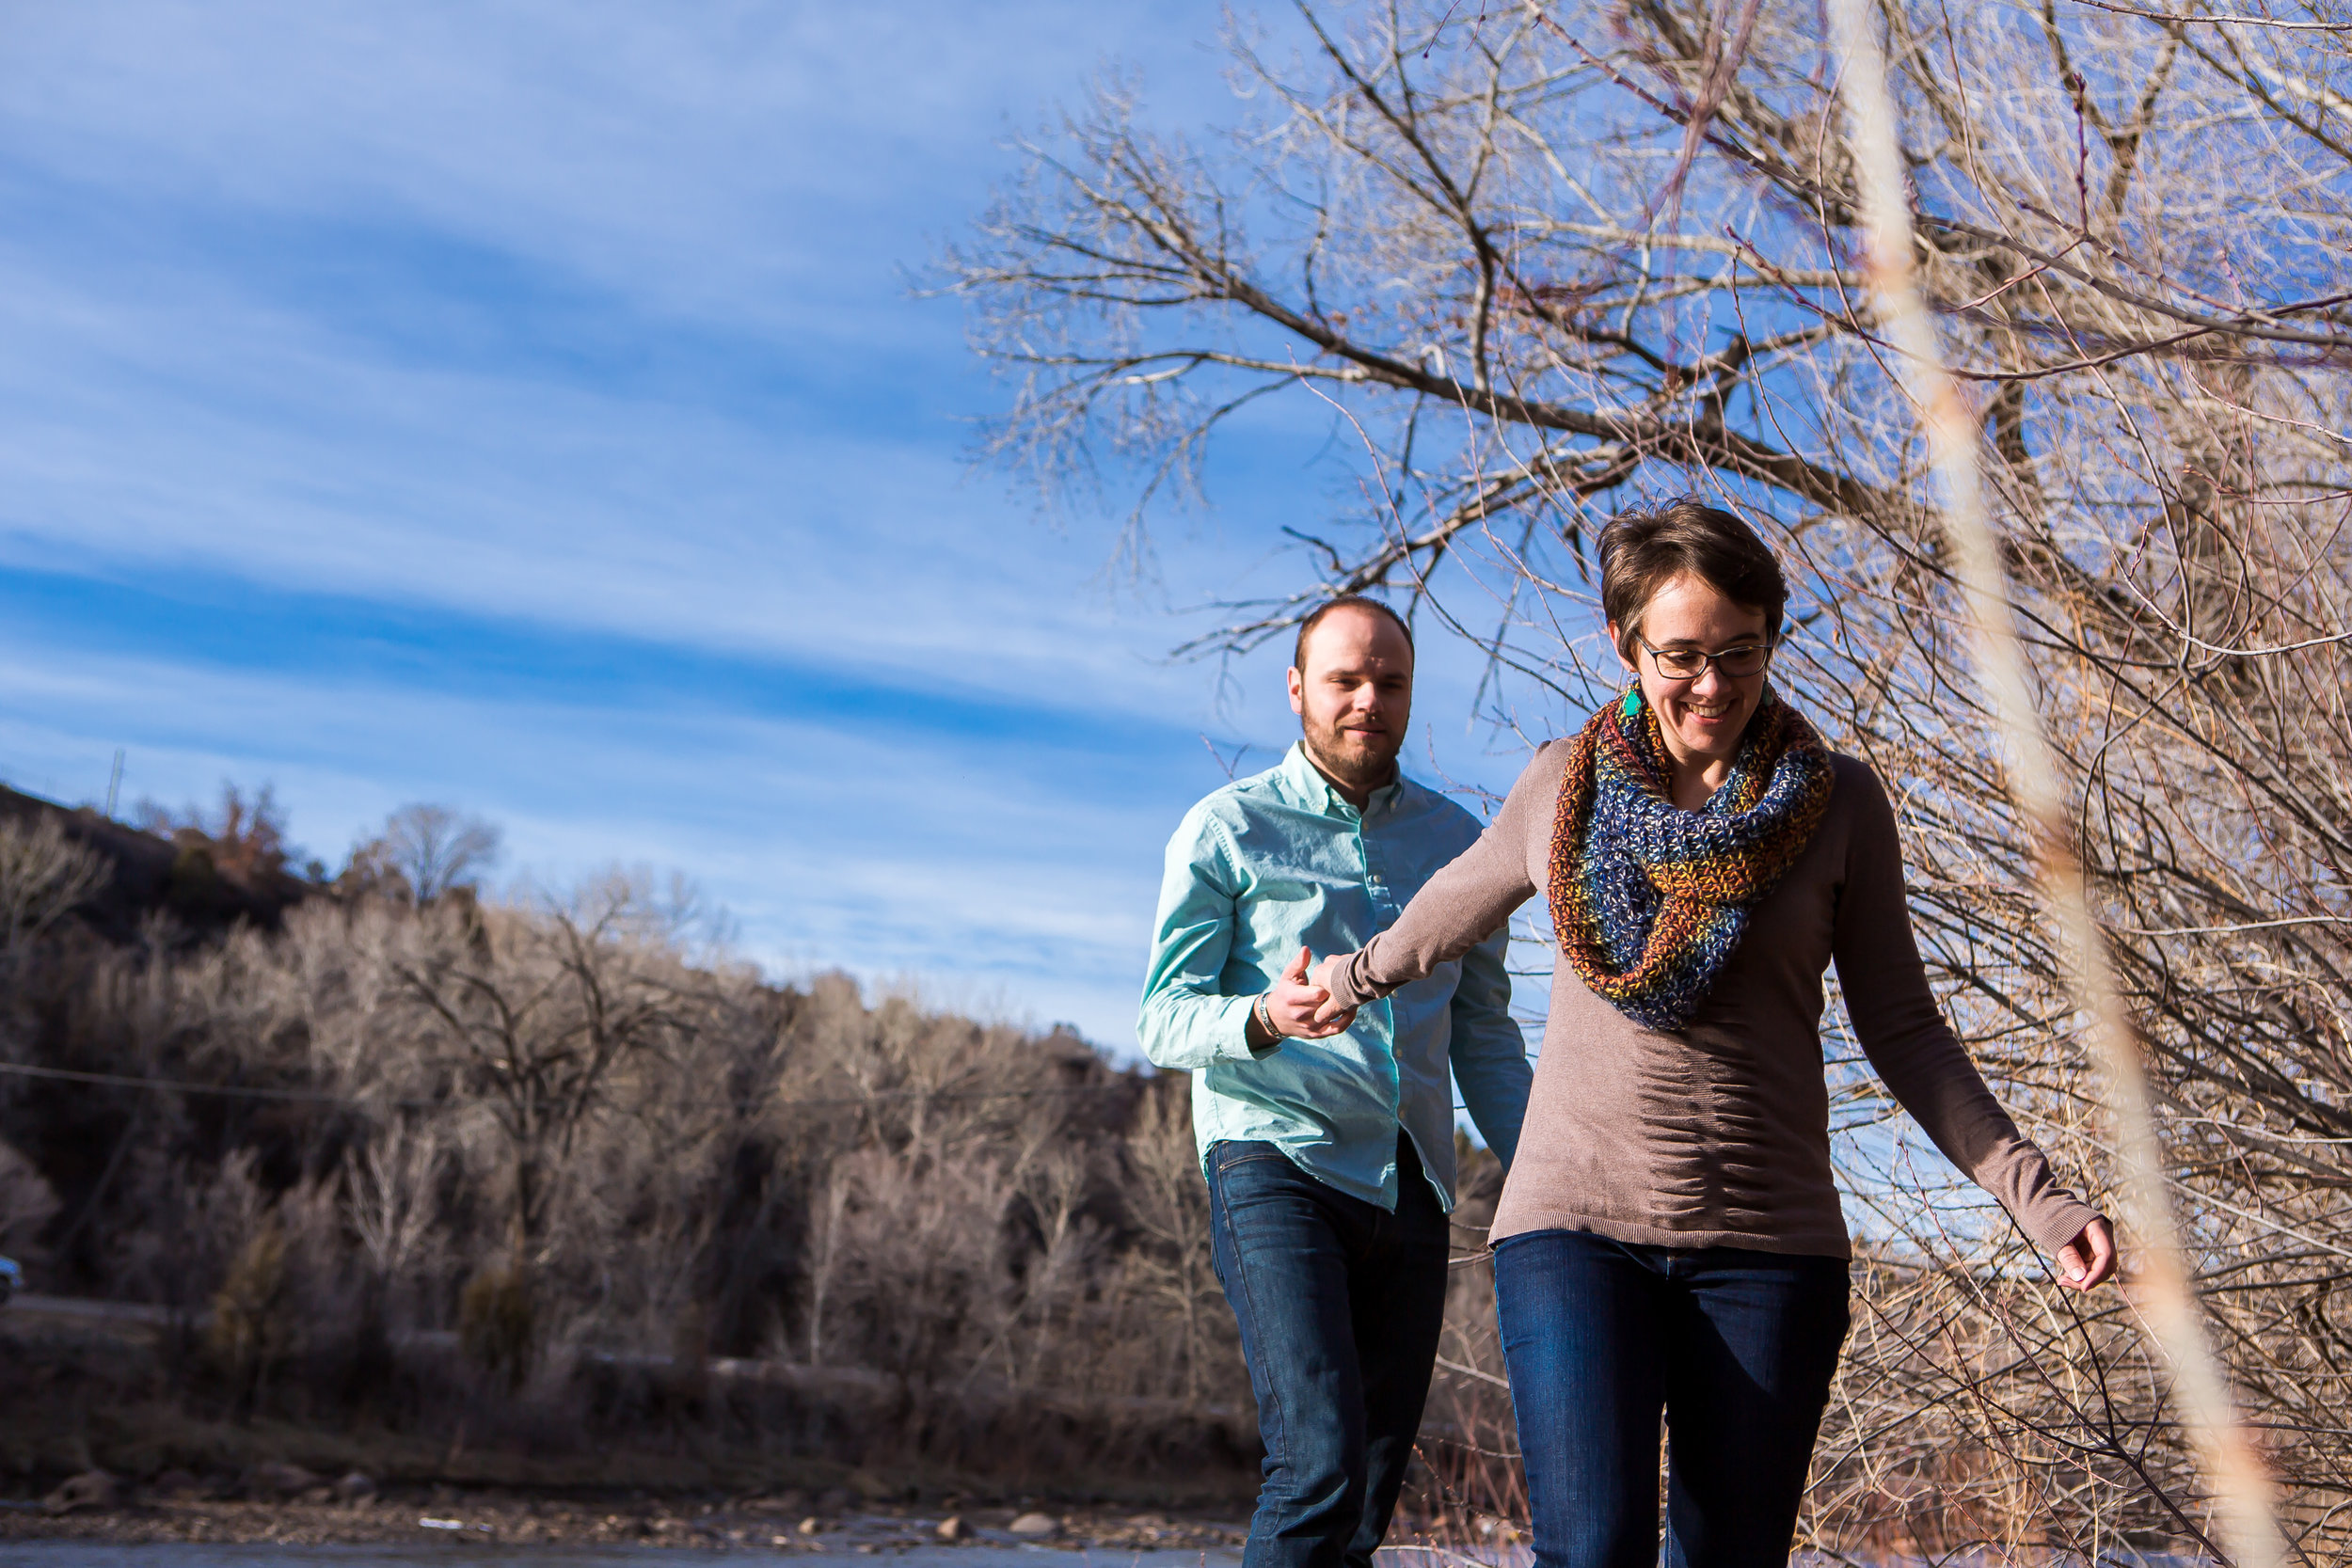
[(1305, 781)]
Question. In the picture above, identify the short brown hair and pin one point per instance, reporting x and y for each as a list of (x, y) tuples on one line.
[(1642, 550), (1306, 627)]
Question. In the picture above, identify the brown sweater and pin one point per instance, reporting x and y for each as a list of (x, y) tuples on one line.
[(1719, 1135)]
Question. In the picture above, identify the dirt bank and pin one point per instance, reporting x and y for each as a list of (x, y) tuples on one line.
[(112, 1393)]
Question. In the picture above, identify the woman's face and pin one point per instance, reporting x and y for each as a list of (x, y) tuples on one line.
[(1702, 719)]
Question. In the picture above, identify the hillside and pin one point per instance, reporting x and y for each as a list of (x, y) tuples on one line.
[(467, 1190)]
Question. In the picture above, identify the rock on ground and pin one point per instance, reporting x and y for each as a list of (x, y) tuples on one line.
[(91, 1489)]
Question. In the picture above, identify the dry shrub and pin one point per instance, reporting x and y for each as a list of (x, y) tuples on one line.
[(44, 874), (495, 1321), (1467, 1488), (252, 1324), (514, 1168), (27, 1202)]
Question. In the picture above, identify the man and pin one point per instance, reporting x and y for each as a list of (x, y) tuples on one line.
[(1328, 1147)]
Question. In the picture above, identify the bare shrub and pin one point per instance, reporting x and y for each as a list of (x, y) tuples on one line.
[(1472, 1488), (498, 1322), (27, 1202), (251, 1329), (43, 874), (389, 1196), (600, 1157), (1173, 1276), (241, 838), (921, 1276), (289, 1311)]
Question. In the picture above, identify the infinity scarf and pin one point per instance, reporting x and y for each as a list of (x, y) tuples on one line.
[(1648, 900)]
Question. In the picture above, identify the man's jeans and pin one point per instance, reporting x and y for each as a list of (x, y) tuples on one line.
[(1736, 1347), (1339, 1304)]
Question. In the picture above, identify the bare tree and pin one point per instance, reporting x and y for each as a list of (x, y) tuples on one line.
[(546, 1125), (537, 1019), (430, 848), (1170, 1205), (388, 1195), (43, 874), (244, 838), (27, 1202), (1530, 262)]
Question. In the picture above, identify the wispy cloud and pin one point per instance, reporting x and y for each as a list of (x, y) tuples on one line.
[(520, 404)]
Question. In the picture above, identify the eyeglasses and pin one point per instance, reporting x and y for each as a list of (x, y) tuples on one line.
[(1688, 664)]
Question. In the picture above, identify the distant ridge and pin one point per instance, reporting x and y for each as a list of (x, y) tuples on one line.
[(184, 876)]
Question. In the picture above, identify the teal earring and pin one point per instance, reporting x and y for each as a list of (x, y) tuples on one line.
[(1632, 706)]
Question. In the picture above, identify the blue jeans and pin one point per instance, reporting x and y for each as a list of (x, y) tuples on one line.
[(1735, 1347), (1340, 1303)]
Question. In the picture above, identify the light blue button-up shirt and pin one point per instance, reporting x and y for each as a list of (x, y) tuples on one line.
[(1268, 864)]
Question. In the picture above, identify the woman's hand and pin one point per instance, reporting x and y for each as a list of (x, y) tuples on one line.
[(2089, 1260), (1302, 1009), (1325, 973)]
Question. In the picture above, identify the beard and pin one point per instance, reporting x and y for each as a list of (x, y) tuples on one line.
[(1355, 758)]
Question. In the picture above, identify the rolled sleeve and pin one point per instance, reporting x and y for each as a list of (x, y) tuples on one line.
[(1187, 1019)]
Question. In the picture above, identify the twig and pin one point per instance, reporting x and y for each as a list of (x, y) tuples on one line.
[(1460, 1370), (2240, 1484)]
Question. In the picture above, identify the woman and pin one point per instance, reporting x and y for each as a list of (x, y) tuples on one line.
[(1669, 1237)]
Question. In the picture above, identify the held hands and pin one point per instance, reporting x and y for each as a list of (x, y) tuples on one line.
[(1302, 1009), (1321, 980), (2088, 1260)]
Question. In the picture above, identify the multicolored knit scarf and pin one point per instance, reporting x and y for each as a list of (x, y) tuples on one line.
[(1648, 900)]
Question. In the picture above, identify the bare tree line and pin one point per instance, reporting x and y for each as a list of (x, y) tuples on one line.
[(459, 1158), (1535, 261)]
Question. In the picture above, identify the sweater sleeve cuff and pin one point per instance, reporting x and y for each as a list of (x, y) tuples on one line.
[(2062, 1222), (1352, 985)]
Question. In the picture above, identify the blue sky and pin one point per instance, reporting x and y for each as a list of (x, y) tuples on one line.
[(522, 406)]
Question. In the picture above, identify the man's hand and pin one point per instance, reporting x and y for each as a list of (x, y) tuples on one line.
[(1299, 1007), (2089, 1260)]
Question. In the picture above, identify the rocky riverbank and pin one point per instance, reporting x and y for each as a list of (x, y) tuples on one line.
[(114, 1431)]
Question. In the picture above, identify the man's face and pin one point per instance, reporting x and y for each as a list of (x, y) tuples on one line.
[(1355, 696)]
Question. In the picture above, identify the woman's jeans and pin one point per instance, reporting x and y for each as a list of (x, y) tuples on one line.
[(1735, 1347), (1340, 1303)]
